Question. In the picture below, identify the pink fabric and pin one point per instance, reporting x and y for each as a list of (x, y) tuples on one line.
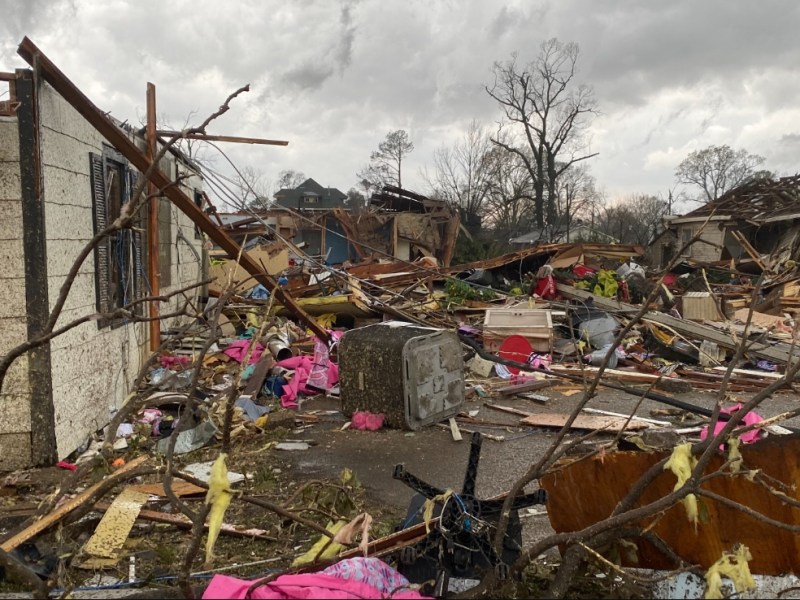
[(299, 383), (169, 361), (366, 420), (238, 349), (310, 585), (301, 365), (324, 373), (749, 419)]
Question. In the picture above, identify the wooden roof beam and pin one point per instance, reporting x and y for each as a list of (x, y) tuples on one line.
[(119, 139), (222, 138)]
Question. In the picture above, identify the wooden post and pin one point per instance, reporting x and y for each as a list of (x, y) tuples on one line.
[(120, 140), (154, 274)]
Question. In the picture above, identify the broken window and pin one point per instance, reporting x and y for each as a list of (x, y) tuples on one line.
[(311, 199), (119, 257)]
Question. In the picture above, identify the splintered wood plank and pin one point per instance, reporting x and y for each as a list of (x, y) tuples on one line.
[(583, 492), (112, 531), (528, 386), (179, 487), (263, 367), (182, 522), (611, 424), (54, 517), (454, 431), (508, 409)]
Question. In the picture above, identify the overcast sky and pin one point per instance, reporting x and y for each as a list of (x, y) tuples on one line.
[(334, 77)]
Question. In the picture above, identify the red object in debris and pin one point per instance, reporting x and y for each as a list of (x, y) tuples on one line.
[(516, 348), (367, 420), (580, 271), (546, 288), (624, 292), (670, 279), (65, 465)]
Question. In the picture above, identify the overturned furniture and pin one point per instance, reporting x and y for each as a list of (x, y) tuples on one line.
[(460, 544), (413, 375)]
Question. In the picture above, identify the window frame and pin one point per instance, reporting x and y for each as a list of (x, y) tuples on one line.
[(126, 250)]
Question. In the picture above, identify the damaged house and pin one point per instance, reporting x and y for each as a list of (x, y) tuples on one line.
[(758, 218), (316, 231), (403, 224), (60, 183), (312, 221)]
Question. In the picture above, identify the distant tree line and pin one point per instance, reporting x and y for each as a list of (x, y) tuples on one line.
[(530, 175)]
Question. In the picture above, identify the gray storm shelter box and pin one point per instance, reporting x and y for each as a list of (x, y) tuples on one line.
[(413, 375)]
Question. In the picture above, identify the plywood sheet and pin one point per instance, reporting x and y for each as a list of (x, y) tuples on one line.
[(586, 491), (612, 424), (274, 258), (113, 529)]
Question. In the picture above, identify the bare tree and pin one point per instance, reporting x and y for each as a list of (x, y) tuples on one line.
[(636, 219), (289, 179), (461, 174), (548, 116), (508, 206), (356, 201), (717, 169), (254, 187), (371, 179), (386, 163), (577, 199)]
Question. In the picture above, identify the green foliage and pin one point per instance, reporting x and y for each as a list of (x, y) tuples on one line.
[(458, 291), (468, 250)]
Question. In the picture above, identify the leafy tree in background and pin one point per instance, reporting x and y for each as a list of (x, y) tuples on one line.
[(718, 169), (386, 163), (356, 201)]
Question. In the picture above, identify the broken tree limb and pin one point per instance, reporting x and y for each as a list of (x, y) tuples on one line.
[(120, 140), (66, 508)]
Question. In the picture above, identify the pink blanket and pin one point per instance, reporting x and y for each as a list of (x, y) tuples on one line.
[(354, 578), (302, 367), (238, 349)]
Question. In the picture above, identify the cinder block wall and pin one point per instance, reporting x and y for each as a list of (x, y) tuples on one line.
[(15, 398), (92, 368)]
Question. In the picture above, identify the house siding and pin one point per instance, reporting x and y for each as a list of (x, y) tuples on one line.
[(92, 368), (15, 396), (709, 247)]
